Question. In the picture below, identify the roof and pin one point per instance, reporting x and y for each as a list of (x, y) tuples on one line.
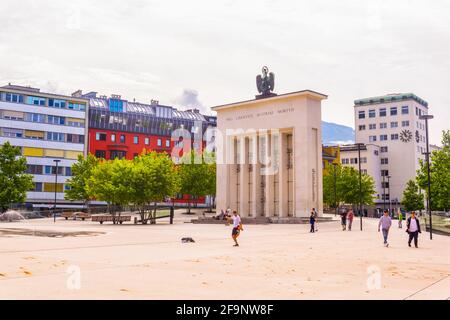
[(312, 93), (36, 91), (391, 98), (150, 109)]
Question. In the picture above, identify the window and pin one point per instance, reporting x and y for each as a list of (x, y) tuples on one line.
[(56, 103), (384, 149), (55, 136), (372, 113), (37, 187), (394, 136), (384, 161), (405, 123), (14, 97), (34, 117), (52, 170), (38, 101), (34, 169), (393, 111), (37, 135), (13, 115), (363, 171), (375, 152), (168, 143), (75, 138), (73, 122), (68, 171), (361, 114), (147, 141), (56, 120), (362, 127), (117, 154), (405, 110), (113, 137), (122, 138), (417, 111), (364, 160), (382, 112), (384, 173), (345, 161), (372, 126), (159, 142), (372, 138), (394, 124), (385, 196), (135, 139), (385, 184), (77, 106), (100, 154), (383, 137), (354, 160), (100, 136), (383, 125), (12, 133), (50, 187)]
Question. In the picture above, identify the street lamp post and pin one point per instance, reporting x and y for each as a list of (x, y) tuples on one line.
[(384, 192), (426, 118), (56, 184), (389, 193), (335, 195), (360, 184)]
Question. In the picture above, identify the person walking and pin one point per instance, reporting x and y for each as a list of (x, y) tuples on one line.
[(237, 227), (316, 216), (343, 219), (350, 216), (400, 219), (413, 229), (312, 219), (385, 223)]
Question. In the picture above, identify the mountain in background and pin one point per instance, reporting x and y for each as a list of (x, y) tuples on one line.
[(333, 134)]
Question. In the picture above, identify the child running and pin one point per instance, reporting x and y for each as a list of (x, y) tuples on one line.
[(237, 227)]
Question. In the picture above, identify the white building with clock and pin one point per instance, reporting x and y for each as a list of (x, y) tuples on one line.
[(390, 126)]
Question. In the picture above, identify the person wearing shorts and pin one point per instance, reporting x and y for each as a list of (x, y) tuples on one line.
[(237, 227)]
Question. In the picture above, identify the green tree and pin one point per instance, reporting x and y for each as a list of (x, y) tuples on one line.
[(412, 199), (347, 186), (110, 182), (153, 177), (14, 180), (195, 179), (81, 172), (440, 175), (331, 183), (210, 159)]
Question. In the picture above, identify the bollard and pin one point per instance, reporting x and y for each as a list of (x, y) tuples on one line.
[(171, 215)]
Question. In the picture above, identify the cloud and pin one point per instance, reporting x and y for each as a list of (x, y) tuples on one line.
[(189, 100)]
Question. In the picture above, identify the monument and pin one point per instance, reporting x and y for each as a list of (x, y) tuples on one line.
[(269, 163)]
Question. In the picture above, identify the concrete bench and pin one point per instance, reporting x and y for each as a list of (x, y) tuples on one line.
[(103, 218), (82, 215), (67, 215)]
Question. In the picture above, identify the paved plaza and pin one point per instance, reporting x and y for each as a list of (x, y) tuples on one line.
[(273, 262)]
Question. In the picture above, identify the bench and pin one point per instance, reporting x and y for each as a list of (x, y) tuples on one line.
[(103, 218), (67, 215), (82, 215)]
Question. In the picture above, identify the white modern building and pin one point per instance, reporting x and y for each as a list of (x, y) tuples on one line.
[(46, 127), (390, 125)]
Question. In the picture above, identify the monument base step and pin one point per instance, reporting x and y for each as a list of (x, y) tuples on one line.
[(263, 220)]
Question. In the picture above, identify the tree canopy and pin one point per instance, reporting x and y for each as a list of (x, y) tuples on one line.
[(14, 180), (412, 199)]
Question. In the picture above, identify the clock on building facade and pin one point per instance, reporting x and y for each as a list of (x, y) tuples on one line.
[(406, 136)]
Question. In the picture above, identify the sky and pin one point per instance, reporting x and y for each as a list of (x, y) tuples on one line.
[(207, 53)]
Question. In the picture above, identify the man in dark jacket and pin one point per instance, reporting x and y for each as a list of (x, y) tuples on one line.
[(413, 229)]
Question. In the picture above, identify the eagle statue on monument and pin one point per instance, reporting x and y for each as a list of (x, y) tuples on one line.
[(265, 83)]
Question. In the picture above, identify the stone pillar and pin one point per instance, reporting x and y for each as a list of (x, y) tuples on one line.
[(268, 177), (256, 176), (232, 173), (244, 209), (282, 176)]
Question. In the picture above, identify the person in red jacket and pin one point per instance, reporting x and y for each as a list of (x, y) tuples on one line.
[(350, 216)]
